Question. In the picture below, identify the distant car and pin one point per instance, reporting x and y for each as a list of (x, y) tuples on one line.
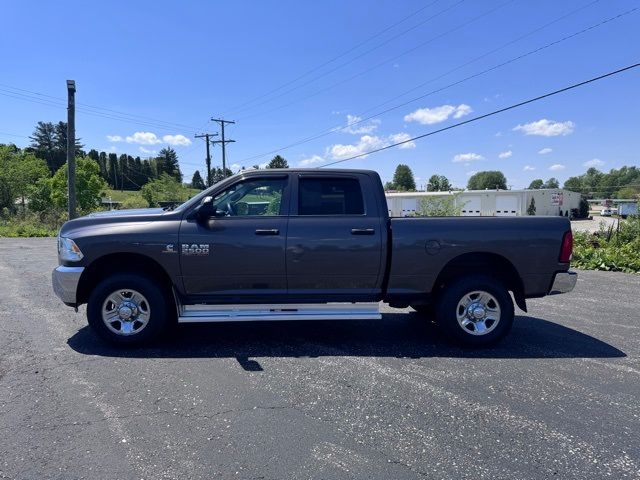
[(607, 212)]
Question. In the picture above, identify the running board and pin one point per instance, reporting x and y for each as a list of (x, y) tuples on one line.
[(302, 311)]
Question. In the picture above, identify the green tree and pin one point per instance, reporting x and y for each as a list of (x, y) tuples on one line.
[(164, 189), (278, 162), (89, 186), (49, 142), (19, 171), (628, 192), (536, 184), (438, 183), (531, 209), (490, 179), (167, 162), (196, 181), (574, 184), (113, 171), (403, 179), (217, 174), (389, 186), (552, 183)]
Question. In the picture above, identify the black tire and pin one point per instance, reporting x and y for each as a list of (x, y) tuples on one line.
[(160, 301), (448, 310)]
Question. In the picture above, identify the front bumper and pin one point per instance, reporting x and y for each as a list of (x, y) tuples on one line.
[(65, 283), (563, 282)]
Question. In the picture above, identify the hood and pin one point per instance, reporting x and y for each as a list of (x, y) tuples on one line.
[(134, 212), (104, 220)]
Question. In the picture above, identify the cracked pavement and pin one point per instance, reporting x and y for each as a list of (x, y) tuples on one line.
[(388, 399)]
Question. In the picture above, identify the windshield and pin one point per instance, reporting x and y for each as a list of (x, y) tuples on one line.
[(196, 199)]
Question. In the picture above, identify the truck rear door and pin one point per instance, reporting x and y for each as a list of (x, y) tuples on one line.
[(334, 239)]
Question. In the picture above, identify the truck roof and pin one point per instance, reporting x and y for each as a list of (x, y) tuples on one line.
[(310, 170)]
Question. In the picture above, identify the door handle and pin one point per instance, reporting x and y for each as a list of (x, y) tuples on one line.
[(272, 231), (363, 231)]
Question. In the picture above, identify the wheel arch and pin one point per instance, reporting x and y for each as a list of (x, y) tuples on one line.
[(488, 263), (119, 263)]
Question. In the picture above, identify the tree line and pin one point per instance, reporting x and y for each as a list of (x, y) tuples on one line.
[(620, 183), (123, 172)]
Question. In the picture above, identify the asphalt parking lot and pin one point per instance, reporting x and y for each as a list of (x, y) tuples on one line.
[(560, 398)]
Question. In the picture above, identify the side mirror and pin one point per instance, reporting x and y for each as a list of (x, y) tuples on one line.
[(206, 209)]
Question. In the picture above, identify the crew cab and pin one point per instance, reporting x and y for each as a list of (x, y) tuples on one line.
[(302, 244)]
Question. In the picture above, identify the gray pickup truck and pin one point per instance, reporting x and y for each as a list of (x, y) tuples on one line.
[(301, 244)]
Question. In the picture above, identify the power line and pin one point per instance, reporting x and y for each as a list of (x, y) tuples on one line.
[(315, 69), (490, 114), (49, 100), (13, 135), (384, 62), (458, 82), (338, 67)]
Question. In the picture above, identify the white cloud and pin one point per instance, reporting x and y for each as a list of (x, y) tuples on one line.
[(429, 116), (144, 138), (471, 173), (528, 168), (234, 167), (546, 128), (556, 167), (506, 154), (467, 157), (177, 140), (596, 162), (312, 160), (365, 144), (150, 138), (545, 151), (147, 151), (355, 127), (402, 137)]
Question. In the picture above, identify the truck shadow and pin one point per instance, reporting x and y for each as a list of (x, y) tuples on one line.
[(400, 335)]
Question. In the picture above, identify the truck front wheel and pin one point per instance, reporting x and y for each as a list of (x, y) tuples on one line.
[(129, 309), (475, 310)]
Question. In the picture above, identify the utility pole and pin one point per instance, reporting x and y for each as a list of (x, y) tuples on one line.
[(71, 146), (223, 142), (206, 137)]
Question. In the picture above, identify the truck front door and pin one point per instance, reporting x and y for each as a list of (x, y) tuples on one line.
[(334, 240), (240, 251)]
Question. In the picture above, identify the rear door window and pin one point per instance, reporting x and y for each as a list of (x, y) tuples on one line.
[(330, 196)]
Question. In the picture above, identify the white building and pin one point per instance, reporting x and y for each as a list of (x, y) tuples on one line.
[(489, 203)]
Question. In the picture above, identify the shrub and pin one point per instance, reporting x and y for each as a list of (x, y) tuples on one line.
[(135, 201), (610, 250)]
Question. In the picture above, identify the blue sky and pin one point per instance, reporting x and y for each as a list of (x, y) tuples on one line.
[(167, 67)]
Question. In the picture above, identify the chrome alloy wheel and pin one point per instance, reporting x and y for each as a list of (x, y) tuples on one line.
[(125, 312), (478, 313)]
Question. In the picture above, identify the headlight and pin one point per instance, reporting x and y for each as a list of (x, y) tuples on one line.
[(68, 250)]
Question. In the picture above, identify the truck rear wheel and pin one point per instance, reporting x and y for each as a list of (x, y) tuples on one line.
[(475, 310), (129, 309)]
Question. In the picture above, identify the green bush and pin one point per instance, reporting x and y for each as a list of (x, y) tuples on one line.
[(33, 225), (134, 201), (617, 251)]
